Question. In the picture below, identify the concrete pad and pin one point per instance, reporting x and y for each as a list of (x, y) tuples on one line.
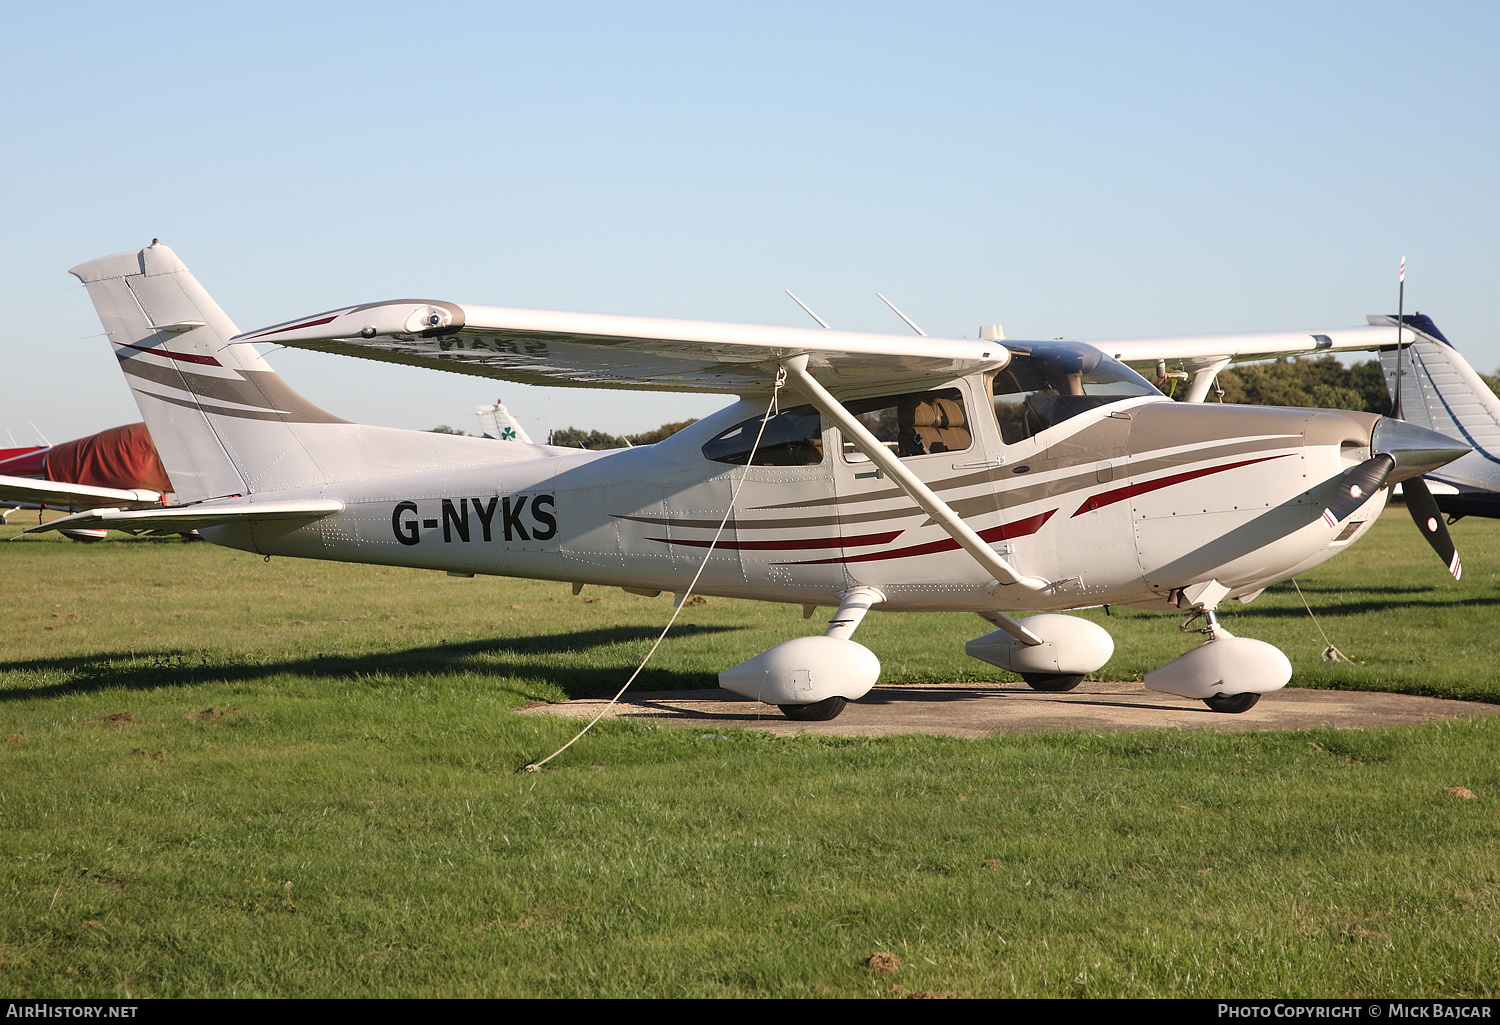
[(981, 710)]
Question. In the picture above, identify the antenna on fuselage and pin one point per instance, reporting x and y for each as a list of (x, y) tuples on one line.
[(808, 310), (1400, 317), (1424, 509), (909, 322)]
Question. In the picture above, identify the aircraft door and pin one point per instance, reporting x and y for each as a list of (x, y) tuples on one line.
[(885, 539), (1063, 465), (1086, 476)]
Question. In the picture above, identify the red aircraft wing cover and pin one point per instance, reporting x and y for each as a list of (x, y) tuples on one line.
[(121, 457)]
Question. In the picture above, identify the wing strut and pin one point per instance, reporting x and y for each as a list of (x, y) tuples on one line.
[(1003, 572), (1203, 377)]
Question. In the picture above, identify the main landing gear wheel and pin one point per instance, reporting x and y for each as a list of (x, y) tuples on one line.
[(1053, 683), (1232, 702), (818, 711)]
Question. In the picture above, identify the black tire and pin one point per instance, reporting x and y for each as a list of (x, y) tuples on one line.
[(818, 711), (1053, 683), (1232, 703)]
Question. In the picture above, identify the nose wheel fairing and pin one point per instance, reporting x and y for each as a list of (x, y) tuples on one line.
[(1222, 667)]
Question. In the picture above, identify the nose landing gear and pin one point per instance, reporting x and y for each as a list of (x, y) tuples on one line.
[(1228, 673)]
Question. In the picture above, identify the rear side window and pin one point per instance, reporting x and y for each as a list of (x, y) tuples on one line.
[(915, 424), (793, 437)]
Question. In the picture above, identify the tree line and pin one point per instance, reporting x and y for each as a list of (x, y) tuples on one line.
[(575, 437), (1322, 382)]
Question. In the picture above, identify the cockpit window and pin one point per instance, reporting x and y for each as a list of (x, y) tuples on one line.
[(793, 437), (1046, 383)]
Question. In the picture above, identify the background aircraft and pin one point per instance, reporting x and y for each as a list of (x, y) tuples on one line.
[(117, 468), (1440, 391), (497, 423)]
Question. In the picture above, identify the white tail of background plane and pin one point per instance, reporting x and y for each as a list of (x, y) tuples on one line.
[(1440, 391), (222, 420), (499, 424)]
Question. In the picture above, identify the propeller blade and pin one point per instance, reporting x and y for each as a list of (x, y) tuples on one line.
[(1356, 485), (1429, 520)]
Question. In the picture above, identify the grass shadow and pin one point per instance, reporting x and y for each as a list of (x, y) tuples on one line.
[(500, 658), (1367, 603)]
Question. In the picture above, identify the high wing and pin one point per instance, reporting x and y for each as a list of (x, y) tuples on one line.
[(178, 519), (62, 495), (609, 351), (1201, 357)]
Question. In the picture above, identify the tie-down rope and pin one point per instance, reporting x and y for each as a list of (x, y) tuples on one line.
[(733, 498), (1330, 653)]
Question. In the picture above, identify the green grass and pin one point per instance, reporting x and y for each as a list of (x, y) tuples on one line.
[(362, 747)]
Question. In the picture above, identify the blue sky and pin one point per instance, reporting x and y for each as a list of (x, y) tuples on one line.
[(1084, 170)]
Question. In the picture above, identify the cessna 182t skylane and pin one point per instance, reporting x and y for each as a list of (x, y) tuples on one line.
[(899, 473)]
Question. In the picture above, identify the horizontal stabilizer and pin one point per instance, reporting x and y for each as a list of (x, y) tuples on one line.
[(60, 494), (180, 519)]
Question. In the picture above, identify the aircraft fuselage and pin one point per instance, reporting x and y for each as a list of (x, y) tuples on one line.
[(1123, 504)]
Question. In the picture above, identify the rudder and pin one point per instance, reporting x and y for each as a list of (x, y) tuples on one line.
[(222, 420)]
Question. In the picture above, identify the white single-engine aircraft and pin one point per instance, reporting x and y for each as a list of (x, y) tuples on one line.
[(932, 474)]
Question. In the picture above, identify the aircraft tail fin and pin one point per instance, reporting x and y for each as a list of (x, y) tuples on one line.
[(222, 420), (1442, 392), (498, 423)]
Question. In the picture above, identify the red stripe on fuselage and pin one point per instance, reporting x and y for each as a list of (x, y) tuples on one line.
[(1099, 501), (1004, 532), (885, 537)]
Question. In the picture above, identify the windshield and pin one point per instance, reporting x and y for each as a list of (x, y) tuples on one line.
[(1046, 383)]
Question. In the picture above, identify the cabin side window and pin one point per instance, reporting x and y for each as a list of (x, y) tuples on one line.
[(793, 437), (915, 424)]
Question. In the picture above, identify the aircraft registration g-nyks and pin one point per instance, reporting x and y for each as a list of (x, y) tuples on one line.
[(985, 476)]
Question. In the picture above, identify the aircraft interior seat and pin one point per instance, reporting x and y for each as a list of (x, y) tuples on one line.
[(938, 425)]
